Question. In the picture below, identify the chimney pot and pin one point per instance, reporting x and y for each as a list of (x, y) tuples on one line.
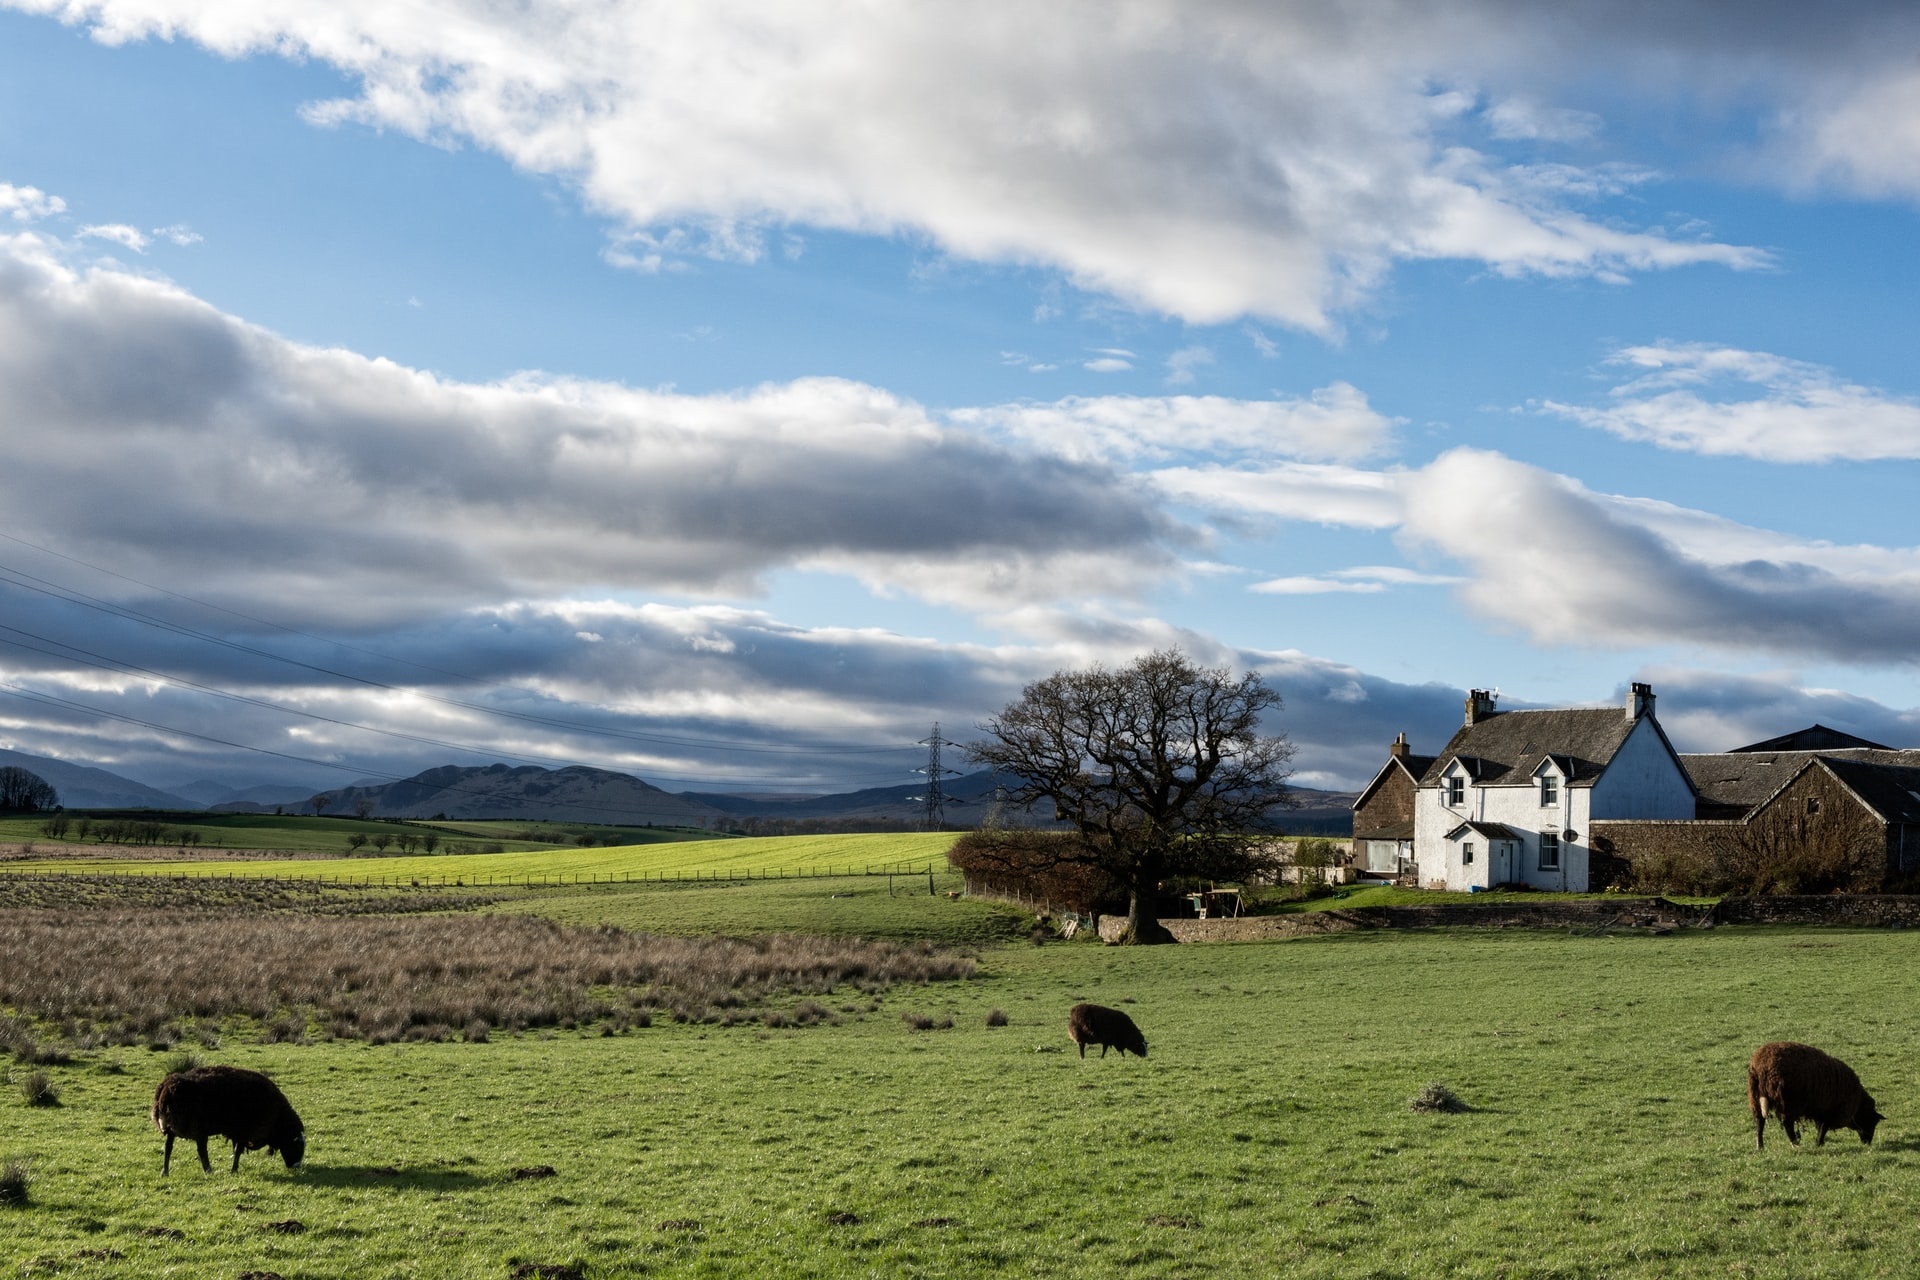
[(1479, 705)]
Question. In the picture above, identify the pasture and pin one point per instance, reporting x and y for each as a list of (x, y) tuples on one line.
[(1268, 1133)]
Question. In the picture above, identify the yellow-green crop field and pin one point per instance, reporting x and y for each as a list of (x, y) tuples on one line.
[(764, 856)]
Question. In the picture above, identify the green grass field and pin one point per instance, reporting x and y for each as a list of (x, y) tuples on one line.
[(1268, 1133), (771, 855)]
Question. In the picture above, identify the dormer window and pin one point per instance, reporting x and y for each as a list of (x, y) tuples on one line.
[(1549, 789), (1456, 791)]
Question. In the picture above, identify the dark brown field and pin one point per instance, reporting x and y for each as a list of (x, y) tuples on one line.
[(118, 975)]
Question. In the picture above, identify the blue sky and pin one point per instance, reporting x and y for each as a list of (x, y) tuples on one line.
[(737, 390)]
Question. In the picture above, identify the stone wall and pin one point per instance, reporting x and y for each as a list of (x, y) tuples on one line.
[(1859, 910)]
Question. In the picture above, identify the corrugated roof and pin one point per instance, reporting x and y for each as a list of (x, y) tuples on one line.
[(1815, 737), (1508, 746)]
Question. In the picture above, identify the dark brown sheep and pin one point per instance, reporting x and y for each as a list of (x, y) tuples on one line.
[(233, 1103), (1096, 1024), (1795, 1082)]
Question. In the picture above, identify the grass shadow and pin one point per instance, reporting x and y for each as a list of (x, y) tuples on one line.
[(367, 1175)]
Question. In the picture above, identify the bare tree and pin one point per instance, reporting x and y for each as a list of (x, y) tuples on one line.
[(24, 792), (1160, 766), (320, 804)]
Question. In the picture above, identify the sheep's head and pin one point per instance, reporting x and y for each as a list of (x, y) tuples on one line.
[(1867, 1117), (293, 1148)]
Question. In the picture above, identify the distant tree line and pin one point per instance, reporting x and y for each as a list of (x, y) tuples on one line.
[(754, 825), (22, 791)]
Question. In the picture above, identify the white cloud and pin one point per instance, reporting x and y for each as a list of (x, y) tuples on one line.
[(1527, 118), (1803, 412), (1107, 364), (1309, 586), (1565, 566), (118, 233), (1368, 579), (1318, 493), (1182, 363), (1333, 422), (28, 204), (1207, 160), (179, 234)]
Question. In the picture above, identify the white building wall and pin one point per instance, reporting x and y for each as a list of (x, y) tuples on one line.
[(1644, 780), (1519, 808)]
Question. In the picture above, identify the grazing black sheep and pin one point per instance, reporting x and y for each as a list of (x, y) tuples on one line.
[(1795, 1082), (231, 1102), (1096, 1024)]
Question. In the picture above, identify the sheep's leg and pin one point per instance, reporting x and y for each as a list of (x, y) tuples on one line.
[(1083, 1047), (237, 1149), (206, 1165), (1103, 1048), (166, 1161), (1789, 1121), (1819, 1134)]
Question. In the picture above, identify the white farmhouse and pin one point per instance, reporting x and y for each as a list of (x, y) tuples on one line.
[(1510, 798)]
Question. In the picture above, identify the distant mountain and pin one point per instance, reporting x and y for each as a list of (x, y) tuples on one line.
[(83, 787), (969, 799), (575, 794), (264, 796)]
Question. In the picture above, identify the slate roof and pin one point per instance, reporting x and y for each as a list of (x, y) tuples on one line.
[(1491, 830), (1388, 831), (1891, 790), (1731, 783), (1503, 749)]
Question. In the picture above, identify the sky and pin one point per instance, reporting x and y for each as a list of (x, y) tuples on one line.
[(727, 393)]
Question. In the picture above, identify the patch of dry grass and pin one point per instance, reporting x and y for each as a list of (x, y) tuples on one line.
[(150, 976)]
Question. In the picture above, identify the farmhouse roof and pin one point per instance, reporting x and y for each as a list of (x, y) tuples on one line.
[(1504, 748), (1731, 783)]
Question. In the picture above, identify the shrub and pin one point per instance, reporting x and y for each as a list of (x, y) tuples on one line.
[(996, 1017), (16, 1181), (917, 1021), (1437, 1097), (39, 1090)]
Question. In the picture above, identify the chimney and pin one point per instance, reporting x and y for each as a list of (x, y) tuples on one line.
[(1399, 750), (1479, 704), (1639, 700)]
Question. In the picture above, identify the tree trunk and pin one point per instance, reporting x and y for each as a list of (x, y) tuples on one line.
[(1143, 927)]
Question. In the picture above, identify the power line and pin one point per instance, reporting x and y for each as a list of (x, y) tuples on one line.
[(935, 799)]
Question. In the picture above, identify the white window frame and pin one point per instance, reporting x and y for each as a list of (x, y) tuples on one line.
[(1466, 853), (1549, 839), (1549, 791), (1456, 794)]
